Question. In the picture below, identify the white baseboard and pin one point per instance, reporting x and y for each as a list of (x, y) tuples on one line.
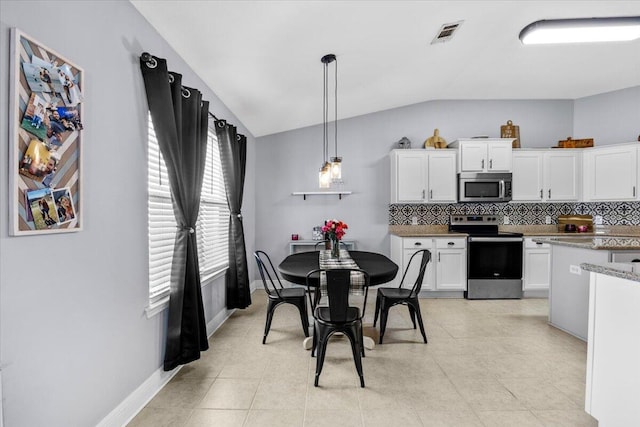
[(137, 400)]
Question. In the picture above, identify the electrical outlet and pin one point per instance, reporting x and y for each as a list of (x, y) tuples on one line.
[(547, 219), (505, 219), (575, 269), (414, 220), (597, 220)]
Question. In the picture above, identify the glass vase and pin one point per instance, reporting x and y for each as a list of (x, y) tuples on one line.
[(335, 248)]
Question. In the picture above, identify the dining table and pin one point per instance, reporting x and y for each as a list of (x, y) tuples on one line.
[(295, 267)]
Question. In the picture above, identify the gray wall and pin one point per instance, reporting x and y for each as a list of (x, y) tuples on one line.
[(610, 117), (290, 161), (75, 340)]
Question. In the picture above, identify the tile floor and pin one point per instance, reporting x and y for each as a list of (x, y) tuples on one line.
[(487, 363)]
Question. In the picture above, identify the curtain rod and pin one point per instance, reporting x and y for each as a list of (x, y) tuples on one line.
[(152, 63)]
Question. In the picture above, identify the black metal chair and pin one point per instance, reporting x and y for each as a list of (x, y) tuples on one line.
[(333, 312), (388, 297), (278, 294)]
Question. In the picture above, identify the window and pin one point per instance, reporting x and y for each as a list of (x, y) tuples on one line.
[(212, 225)]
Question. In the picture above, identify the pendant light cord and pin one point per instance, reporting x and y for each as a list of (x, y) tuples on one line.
[(325, 115), (335, 123)]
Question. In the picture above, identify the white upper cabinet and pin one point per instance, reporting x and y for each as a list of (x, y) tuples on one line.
[(562, 172), (442, 178), (485, 155), (423, 176), (611, 173), (408, 176), (527, 176), (551, 175)]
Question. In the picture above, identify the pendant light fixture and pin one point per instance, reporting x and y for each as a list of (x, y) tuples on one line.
[(329, 172)]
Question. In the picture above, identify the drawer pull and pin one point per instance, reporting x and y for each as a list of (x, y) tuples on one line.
[(450, 243), (417, 244)]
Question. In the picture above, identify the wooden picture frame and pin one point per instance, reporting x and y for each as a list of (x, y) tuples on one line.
[(46, 132)]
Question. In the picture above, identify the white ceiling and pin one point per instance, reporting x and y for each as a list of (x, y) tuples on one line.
[(262, 58)]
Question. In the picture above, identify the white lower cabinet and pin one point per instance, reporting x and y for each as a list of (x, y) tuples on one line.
[(536, 266), (450, 259), (409, 247), (447, 270)]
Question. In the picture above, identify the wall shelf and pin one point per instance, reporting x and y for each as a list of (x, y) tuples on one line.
[(304, 194)]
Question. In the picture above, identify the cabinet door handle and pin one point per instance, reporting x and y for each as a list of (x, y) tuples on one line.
[(634, 191), (541, 194), (482, 166), (431, 194), (423, 192), (438, 256), (490, 163), (549, 193)]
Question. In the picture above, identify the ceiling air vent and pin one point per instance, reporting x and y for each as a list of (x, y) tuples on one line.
[(446, 32)]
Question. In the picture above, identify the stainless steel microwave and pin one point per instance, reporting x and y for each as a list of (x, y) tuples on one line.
[(484, 187)]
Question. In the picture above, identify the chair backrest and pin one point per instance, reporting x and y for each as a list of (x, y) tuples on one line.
[(270, 279), (340, 288), (426, 257)]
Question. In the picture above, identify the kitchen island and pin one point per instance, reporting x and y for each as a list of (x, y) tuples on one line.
[(569, 288), (613, 379)]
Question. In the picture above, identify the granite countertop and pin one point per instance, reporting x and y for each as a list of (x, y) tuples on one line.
[(594, 242), (623, 270), (526, 230), (421, 231)]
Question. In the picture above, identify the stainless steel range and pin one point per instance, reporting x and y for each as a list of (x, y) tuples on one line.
[(494, 258)]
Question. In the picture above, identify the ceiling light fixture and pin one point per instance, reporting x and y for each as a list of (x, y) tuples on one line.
[(581, 30), (329, 172)]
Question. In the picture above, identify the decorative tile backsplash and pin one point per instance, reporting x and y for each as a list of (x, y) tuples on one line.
[(612, 213)]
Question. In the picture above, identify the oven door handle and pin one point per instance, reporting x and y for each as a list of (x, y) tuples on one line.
[(502, 189), (495, 239)]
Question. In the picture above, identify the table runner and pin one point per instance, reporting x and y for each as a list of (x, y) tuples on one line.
[(345, 261)]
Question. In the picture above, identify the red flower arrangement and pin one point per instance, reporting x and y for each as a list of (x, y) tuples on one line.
[(334, 229)]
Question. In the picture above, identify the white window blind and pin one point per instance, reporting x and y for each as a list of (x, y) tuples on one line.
[(211, 227)]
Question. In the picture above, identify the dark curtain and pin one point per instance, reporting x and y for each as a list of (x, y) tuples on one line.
[(233, 155), (180, 119)]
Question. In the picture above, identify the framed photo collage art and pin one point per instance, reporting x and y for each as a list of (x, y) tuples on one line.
[(46, 140)]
